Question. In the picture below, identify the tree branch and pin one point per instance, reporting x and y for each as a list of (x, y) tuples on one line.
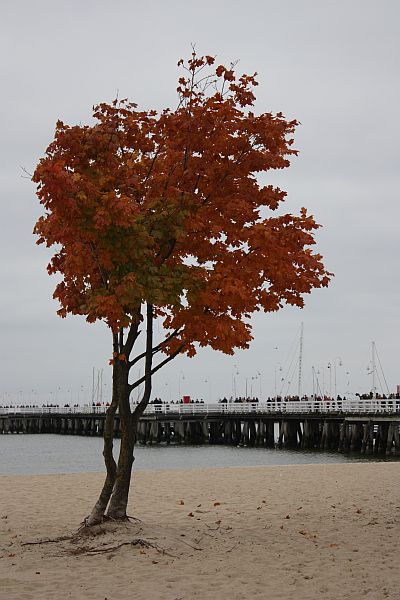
[(115, 342), (103, 272), (152, 163), (155, 349), (169, 250), (133, 334), (148, 365), (132, 386)]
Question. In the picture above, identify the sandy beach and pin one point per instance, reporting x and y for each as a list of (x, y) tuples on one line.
[(304, 532)]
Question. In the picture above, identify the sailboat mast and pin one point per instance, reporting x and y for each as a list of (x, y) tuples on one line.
[(373, 368), (93, 385), (300, 358)]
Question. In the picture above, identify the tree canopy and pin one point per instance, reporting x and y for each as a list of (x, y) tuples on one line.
[(167, 208)]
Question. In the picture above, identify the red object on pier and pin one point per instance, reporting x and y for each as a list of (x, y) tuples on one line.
[(186, 399)]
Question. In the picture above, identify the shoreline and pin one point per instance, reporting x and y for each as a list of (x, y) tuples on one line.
[(364, 461), (285, 532)]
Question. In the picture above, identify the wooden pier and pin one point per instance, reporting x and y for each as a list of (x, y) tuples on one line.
[(362, 426)]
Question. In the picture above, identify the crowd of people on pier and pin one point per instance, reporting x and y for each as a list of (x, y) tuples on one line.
[(223, 400), (316, 398), (184, 400), (40, 406), (372, 396), (256, 399)]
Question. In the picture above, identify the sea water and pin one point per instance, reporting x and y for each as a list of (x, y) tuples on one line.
[(38, 454)]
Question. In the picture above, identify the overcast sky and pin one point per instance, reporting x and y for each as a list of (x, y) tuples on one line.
[(333, 65)]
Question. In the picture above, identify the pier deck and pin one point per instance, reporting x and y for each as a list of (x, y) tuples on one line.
[(366, 426)]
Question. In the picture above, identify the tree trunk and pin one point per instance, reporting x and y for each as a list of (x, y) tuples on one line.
[(128, 421), (115, 490), (119, 498), (116, 485), (99, 509), (97, 514)]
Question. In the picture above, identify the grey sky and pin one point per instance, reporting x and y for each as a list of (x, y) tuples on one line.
[(332, 65)]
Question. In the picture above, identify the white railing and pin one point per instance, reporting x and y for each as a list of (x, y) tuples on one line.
[(273, 407), (361, 407)]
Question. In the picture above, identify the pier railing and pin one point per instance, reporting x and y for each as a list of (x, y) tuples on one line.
[(302, 406), (358, 407)]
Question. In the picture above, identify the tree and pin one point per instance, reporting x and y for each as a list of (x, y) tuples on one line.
[(163, 216)]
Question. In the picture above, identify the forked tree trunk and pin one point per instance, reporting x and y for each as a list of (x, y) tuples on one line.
[(120, 493), (99, 509), (128, 423), (119, 498), (115, 490)]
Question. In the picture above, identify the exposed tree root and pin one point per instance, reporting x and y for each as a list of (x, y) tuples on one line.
[(106, 519), (190, 545), (134, 519), (84, 531), (115, 534), (80, 541), (61, 538), (136, 542)]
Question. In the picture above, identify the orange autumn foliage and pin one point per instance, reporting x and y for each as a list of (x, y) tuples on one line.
[(167, 208)]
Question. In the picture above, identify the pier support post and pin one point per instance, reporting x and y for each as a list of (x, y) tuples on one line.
[(228, 432), (356, 437), (288, 434), (396, 439), (245, 434), (270, 434)]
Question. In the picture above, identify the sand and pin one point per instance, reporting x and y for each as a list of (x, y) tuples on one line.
[(292, 532)]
